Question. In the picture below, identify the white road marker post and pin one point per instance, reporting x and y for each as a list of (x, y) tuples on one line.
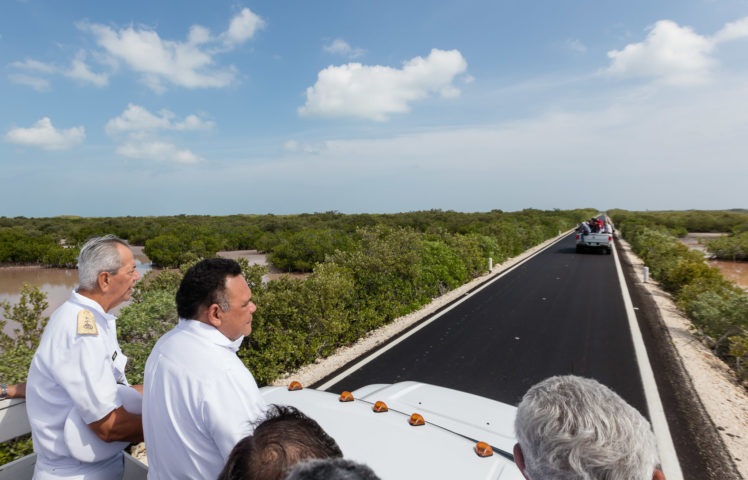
[(645, 272), (490, 264)]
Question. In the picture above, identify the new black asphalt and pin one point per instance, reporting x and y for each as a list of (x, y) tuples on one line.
[(558, 313)]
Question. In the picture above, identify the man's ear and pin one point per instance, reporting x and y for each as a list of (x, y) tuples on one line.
[(658, 475), (519, 459), (214, 317), (103, 280)]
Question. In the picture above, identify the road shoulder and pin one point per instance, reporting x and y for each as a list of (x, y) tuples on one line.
[(716, 433)]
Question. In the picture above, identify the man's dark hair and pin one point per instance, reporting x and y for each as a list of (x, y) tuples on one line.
[(205, 284), (332, 469), (282, 439)]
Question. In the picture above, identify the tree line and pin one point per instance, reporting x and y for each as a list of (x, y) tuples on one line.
[(295, 242)]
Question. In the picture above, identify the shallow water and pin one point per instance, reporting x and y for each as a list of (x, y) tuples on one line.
[(735, 271), (57, 283)]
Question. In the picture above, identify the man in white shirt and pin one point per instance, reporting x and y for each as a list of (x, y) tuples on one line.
[(77, 373), (200, 399)]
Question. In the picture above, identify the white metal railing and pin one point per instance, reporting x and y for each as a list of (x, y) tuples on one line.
[(14, 422)]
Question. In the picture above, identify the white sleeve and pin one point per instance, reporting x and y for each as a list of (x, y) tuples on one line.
[(85, 372), (232, 407)]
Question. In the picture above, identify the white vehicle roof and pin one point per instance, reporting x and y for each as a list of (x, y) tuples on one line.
[(442, 448)]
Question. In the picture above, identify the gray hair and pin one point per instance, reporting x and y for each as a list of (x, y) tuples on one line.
[(573, 428), (331, 469), (98, 254)]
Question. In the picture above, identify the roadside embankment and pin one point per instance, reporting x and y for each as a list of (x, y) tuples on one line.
[(716, 386)]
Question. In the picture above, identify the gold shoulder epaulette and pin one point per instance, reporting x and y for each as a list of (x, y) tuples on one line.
[(87, 323)]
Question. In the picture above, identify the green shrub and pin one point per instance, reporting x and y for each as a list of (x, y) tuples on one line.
[(16, 353), (716, 306)]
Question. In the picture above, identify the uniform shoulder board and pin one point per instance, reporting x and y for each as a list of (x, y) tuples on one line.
[(87, 323)]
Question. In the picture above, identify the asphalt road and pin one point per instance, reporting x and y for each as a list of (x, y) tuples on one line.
[(558, 313)]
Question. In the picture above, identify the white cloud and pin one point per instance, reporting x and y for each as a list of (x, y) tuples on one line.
[(141, 127), (294, 146), (158, 150), (34, 66), (674, 54), (189, 64), (341, 47), (37, 83), (733, 31), (243, 27), (375, 91), (576, 46), (80, 71), (44, 135), (139, 119)]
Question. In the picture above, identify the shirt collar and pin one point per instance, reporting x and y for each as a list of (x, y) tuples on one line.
[(209, 333), (76, 297)]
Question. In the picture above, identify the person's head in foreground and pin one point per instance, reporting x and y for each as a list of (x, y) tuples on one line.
[(282, 439), (331, 469), (574, 428), (214, 291)]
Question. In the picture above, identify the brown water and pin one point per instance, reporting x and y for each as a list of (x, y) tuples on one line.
[(57, 283), (735, 271)]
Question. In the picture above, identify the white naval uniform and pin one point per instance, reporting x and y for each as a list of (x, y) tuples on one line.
[(73, 371), (199, 401)]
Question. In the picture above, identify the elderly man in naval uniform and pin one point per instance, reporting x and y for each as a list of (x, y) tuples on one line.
[(81, 408)]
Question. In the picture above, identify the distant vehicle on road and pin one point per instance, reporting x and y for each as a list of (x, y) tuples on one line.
[(596, 234), (594, 241)]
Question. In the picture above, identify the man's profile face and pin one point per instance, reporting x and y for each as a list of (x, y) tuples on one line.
[(238, 320), (122, 282)]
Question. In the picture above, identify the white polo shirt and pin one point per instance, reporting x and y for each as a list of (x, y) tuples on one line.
[(72, 371), (199, 401)]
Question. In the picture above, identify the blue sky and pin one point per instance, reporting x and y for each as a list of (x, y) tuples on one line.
[(157, 108)]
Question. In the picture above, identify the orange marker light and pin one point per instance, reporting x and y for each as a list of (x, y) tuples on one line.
[(346, 396), (380, 407), (416, 420), (483, 449), (294, 386)]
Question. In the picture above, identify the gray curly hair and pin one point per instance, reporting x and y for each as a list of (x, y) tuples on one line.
[(573, 428), (98, 254)]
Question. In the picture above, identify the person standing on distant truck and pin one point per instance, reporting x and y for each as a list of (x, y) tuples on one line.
[(78, 373), (585, 229), (200, 399)]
